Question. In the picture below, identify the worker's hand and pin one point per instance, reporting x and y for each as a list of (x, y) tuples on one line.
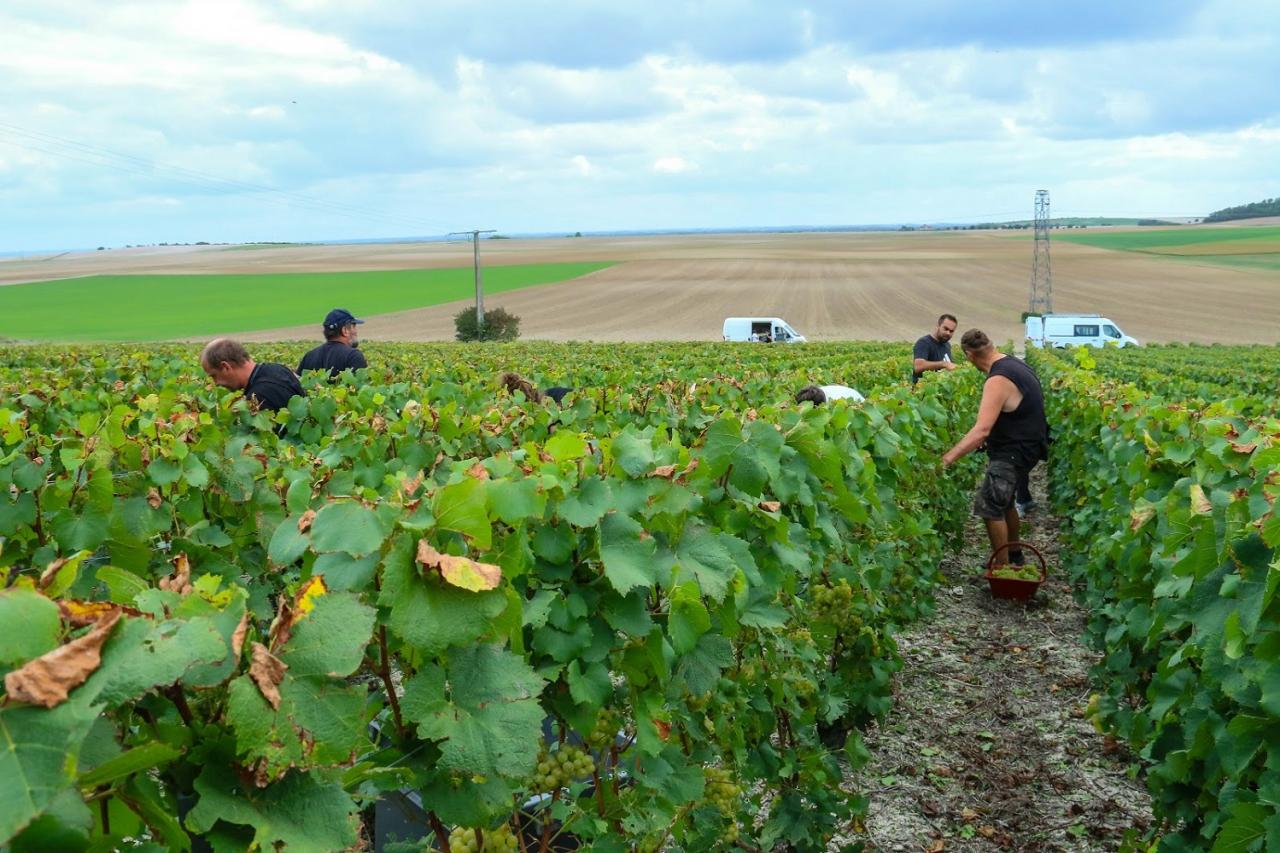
[(951, 365), (948, 459)]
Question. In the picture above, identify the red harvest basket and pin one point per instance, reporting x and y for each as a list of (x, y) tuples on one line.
[(1013, 588)]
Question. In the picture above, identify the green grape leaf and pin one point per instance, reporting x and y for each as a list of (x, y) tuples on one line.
[(330, 640), (127, 763), (632, 451), (347, 527), (30, 624), (627, 552), (688, 618), (587, 504), (38, 749), (429, 614), (565, 446), (1243, 830), (123, 585), (513, 501), (590, 684), (463, 507), (706, 555), (299, 812), (482, 707), (320, 723), (142, 654)]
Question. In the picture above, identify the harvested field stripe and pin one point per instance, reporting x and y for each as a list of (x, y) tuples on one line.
[(160, 307)]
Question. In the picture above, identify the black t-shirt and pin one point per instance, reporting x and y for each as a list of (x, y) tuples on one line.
[(333, 356), (557, 393), (1020, 436), (272, 386), (930, 349)]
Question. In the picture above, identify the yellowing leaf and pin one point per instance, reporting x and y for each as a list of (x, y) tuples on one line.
[(1152, 446), (1141, 514), (1199, 502), (81, 613), (313, 589), (61, 574), (666, 471), (47, 679), (461, 572)]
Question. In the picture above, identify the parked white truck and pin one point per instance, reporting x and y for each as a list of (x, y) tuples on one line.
[(1070, 330), (761, 329)]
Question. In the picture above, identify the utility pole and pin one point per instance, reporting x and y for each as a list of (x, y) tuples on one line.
[(1041, 275), (475, 256)]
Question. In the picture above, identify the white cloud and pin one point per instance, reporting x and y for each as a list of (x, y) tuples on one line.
[(673, 166), (429, 116)]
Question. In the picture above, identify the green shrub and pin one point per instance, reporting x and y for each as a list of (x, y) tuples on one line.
[(499, 325)]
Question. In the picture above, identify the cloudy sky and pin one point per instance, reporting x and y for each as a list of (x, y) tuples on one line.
[(235, 120)]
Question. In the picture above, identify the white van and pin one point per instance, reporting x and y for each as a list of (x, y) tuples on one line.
[(761, 329), (1069, 330)]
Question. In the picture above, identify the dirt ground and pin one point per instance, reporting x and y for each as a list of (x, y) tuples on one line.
[(987, 747), (869, 285)]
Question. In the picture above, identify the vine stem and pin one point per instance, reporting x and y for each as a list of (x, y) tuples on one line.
[(544, 844), (438, 828), (179, 699), (384, 670)]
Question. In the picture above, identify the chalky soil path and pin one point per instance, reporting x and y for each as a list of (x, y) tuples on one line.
[(987, 747)]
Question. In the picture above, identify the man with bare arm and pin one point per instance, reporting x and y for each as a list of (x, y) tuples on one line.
[(1012, 425)]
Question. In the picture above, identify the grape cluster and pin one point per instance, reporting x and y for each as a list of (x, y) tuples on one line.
[(559, 768), (605, 731), (1018, 573), (834, 605), (721, 792), (464, 839)]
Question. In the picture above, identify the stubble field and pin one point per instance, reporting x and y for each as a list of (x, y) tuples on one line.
[(831, 286)]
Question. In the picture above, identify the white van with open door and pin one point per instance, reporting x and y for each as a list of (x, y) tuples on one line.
[(761, 330), (1070, 330)]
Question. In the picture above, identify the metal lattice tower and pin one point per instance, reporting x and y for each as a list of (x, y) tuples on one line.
[(1041, 274)]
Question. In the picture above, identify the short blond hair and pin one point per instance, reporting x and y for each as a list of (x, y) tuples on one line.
[(223, 349)]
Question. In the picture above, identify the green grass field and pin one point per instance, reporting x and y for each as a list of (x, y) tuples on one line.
[(160, 307), (1248, 247), (1170, 238)]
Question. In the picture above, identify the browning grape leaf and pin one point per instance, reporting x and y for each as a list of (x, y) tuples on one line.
[(47, 679), (267, 671)]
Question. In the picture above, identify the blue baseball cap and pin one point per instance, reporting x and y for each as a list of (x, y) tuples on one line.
[(339, 318)]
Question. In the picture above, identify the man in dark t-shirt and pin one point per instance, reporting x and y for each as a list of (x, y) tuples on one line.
[(514, 382), (933, 351), (268, 386), (338, 352), (1011, 423)]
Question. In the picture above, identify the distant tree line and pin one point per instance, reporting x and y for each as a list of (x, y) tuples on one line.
[(1266, 207)]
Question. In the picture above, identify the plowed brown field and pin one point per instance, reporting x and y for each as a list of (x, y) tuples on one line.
[(829, 286)]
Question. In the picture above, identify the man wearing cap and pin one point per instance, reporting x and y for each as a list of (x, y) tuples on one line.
[(338, 352)]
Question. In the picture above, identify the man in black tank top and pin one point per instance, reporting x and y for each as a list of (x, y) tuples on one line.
[(1011, 424)]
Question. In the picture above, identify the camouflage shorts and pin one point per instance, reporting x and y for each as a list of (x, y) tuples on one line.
[(996, 491)]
